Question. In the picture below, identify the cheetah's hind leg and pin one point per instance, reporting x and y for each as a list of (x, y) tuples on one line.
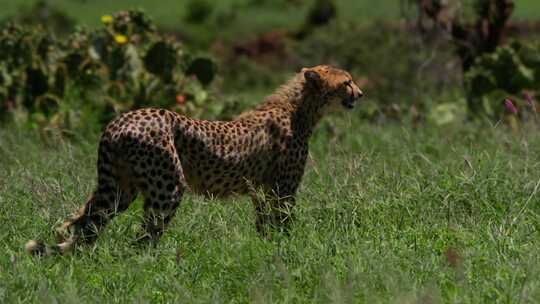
[(163, 191), (114, 194)]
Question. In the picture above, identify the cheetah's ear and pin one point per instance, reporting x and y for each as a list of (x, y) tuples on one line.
[(312, 78)]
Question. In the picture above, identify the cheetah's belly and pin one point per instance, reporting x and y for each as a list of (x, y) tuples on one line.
[(222, 178), (220, 158), (214, 174)]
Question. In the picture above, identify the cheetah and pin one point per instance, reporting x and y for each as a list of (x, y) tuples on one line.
[(161, 154)]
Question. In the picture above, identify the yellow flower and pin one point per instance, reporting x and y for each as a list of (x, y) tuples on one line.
[(106, 19), (120, 39)]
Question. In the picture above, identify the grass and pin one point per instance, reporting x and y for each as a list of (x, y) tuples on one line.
[(238, 17), (233, 21), (171, 13), (230, 20), (385, 214)]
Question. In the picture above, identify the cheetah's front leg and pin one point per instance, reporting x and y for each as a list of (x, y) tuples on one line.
[(275, 206), (273, 210)]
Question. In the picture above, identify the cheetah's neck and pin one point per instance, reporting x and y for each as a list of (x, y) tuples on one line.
[(304, 107)]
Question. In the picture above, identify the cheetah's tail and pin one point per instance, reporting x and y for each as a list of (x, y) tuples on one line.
[(38, 248)]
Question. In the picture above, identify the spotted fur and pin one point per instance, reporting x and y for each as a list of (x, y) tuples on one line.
[(161, 154)]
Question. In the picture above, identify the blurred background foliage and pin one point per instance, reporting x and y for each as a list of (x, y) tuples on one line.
[(72, 65)]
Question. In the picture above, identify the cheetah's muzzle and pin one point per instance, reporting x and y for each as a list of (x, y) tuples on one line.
[(348, 102), (354, 94)]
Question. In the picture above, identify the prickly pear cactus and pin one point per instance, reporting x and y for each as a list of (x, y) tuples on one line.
[(125, 64)]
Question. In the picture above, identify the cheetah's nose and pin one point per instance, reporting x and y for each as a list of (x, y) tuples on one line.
[(359, 94)]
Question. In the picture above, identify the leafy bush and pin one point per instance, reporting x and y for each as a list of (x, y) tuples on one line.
[(126, 64), (507, 72)]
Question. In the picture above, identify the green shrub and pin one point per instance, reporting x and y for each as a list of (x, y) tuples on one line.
[(126, 64), (505, 73)]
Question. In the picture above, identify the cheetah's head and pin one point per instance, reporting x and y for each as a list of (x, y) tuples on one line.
[(334, 84)]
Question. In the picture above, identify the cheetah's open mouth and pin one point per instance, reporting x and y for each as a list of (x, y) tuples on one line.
[(348, 103)]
